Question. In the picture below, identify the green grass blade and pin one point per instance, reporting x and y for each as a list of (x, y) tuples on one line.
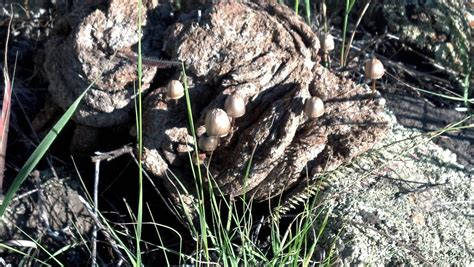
[(39, 152), (138, 232), (6, 247), (307, 6)]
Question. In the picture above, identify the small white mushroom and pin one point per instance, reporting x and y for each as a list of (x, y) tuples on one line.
[(175, 89), (374, 69), (327, 42), (314, 107), (217, 122), (208, 143), (234, 106)]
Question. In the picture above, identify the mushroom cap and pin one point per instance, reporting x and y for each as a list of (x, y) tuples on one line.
[(208, 143), (374, 69), (217, 122), (234, 106), (175, 89), (314, 107), (327, 42)]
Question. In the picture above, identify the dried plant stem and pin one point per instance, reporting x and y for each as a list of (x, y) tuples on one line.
[(353, 33), (5, 112), (97, 159), (96, 203)]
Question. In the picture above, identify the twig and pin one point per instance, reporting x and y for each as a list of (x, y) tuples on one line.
[(96, 203), (101, 227), (112, 154), (108, 156), (150, 61)]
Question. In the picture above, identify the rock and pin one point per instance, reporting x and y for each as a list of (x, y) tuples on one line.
[(268, 56), (406, 202), (83, 53)]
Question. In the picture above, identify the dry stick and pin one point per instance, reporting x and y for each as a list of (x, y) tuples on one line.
[(112, 242), (97, 159), (96, 203), (354, 31), (416, 74), (151, 61), (408, 248)]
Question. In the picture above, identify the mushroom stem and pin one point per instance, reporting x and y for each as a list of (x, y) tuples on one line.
[(209, 160), (373, 86), (328, 61)]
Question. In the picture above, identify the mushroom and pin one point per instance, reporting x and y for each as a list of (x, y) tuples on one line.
[(217, 122), (235, 107), (175, 89), (314, 107), (374, 70), (327, 45), (327, 42), (208, 143)]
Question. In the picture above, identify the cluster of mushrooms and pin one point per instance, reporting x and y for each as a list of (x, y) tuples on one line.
[(219, 122)]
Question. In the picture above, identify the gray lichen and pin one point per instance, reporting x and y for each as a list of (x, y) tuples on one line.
[(406, 201)]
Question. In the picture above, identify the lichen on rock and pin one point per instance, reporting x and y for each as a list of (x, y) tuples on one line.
[(405, 202)]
